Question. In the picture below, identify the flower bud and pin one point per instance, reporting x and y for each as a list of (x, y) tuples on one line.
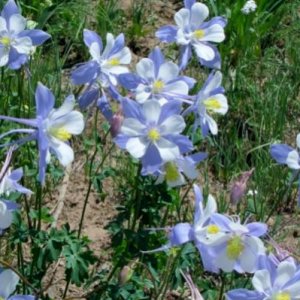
[(125, 275), (239, 187), (116, 123)]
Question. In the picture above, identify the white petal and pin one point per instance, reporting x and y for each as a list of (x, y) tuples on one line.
[(3, 25), (223, 262), (199, 12), (174, 124), (168, 71), (72, 122), (285, 272), (151, 111), (298, 140), (294, 290), (23, 45), (65, 108), (124, 56), (132, 127), (261, 281), (182, 18), (203, 51), (137, 147), (95, 52), (17, 23), (110, 41), (214, 33), (292, 160), (168, 151), (145, 69), (9, 281), (221, 101), (211, 207), (4, 56), (248, 258), (213, 127), (141, 93), (181, 38), (177, 87), (5, 216), (117, 70), (188, 169), (62, 150)]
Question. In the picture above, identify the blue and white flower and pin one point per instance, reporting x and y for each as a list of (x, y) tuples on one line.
[(193, 32), (16, 43), (157, 79), (53, 128), (210, 99)]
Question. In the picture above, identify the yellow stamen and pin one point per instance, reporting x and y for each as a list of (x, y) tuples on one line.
[(283, 296), (213, 229), (212, 104), (172, 173), (61, 134), (114, 62), (6, 42), (158, 85), (234, 248), (198, 34), (153, 135)]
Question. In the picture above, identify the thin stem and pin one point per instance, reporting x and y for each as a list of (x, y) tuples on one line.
[(221, 294)]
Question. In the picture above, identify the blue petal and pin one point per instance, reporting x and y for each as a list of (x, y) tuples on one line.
[(280, 152), (90, 37), (169, 109), (118, 45), (105, 107), (88, 97), (129, 81), (257, 228), (167, 33), (44, 100), (37, 36), (16, 60), (243, 294), (10, 9), (181, 234), (189, 3), (184, 56), (132, 109), (158, 59), (85, 73), (183, 142)]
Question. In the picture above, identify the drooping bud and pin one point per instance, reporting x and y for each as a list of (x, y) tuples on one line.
[(116, 123), (125, 275), (239, 187)]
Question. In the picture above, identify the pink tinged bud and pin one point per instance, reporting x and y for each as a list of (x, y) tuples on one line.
[(239, 187), (116, 123), (125, 275), (195, 294)]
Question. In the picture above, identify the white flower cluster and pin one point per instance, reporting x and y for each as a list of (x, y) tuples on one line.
[(250, 6)]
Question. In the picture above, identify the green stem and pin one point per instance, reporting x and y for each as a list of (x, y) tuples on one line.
[(221, 293)]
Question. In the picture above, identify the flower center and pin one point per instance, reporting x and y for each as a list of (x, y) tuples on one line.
[(153, 135), (283, 296), (234, 248), (5, 40), (114, 62), (213, 229), (60, 133), (158, 85), (198, 34), (172, 173), (212, 104)]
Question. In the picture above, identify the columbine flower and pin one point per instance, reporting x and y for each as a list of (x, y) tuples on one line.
[(152, 133), (273, 282), (174, 172), (53, 128), (8, 283), (210, 99), (197, 232), (157, 79), (16, 43), (250, 6), (287, 155), (192, 32), (237, 247), (101, 71)]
